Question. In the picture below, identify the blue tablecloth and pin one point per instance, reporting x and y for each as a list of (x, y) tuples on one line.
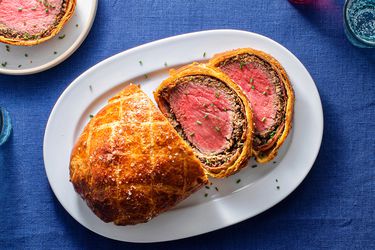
[(334, 207)]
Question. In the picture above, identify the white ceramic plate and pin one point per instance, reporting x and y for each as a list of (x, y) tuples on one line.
[(259, 188), (21, 60)]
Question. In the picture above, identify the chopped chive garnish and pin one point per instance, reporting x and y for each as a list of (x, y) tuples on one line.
[(204, 54), (263, 119), (216, 189), (199, 122), (62, 37), (217, 129), (165, 64), (4, 64), (251, 80), (205, 116), (207, 161), (19, 66), (207, 187), (242, 64), (252, 87), (272, 134), (47, 10), (211, 104), (140, 63), (146, 76), (254, 166), (238, 181), (205, 195), (91, 115), (7, 48)]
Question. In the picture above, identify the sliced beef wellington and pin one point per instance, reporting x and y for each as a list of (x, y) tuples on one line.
[(267, 87), (31, 22), (129, 164), (211, 114)]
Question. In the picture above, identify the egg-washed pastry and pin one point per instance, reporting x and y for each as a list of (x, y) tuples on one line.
[(212, 114), (268, 89), (129, 164), (27, 23)]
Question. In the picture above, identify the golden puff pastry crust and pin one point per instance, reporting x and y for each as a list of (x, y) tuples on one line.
[(269, 150), (240, 157), (24, 39), (129, 164)]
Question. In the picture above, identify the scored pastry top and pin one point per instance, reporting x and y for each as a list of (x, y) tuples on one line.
[(129, 164)]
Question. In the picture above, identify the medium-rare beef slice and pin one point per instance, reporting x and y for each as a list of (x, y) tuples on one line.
[(269, 92), (211, 114), (208, 115), (30, 22), (261, 85)]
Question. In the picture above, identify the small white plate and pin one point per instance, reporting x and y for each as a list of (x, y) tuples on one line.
[(22, 60), (259, 187)]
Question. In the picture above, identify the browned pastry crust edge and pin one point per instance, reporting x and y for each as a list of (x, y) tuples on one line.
[(281, 135), (20, 41), (201, 69)]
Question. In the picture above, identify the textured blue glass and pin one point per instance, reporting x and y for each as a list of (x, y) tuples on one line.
[(5, 125), (359, 19)]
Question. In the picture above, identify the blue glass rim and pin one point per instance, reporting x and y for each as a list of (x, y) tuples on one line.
[(350, 29), (5, 125), (1, 120)]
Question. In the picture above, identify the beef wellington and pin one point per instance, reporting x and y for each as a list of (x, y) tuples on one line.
[(268, 89), (129, 164), (211, 113), (27, 23)]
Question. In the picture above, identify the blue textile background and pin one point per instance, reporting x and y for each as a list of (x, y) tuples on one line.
[(334, 207)]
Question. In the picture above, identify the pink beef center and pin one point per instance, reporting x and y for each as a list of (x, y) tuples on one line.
[(204, 114), (256, 83), (28, 16)]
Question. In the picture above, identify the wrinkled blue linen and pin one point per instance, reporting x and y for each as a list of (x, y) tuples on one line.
[(334, 207)]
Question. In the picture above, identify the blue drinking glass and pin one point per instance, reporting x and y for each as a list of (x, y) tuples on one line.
[(359, 22), (5, 125)]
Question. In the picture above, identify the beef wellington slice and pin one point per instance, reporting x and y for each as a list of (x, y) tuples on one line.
[(211, 114), (268, 89), (27, 23)]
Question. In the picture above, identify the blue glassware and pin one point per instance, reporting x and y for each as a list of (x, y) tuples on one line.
[(5, 125), (359, 22)]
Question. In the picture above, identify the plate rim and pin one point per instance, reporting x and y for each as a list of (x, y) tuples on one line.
[(172, 39), (61, 58)]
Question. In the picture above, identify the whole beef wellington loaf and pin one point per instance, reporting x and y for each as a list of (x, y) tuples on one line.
[(212, 115), (129, 164), (266, 84), (30, 22)]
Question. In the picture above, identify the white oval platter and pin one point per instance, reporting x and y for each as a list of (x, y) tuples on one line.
[(259, 188)]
